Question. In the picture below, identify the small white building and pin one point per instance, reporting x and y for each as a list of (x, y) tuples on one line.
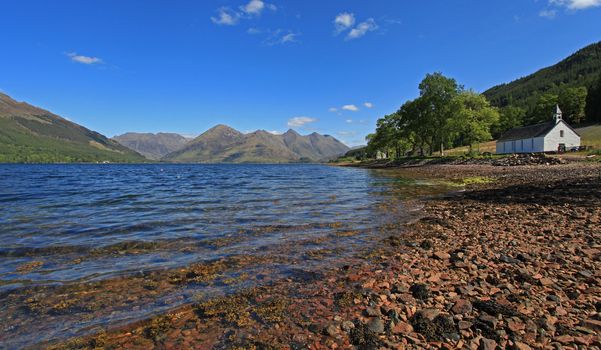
[(553, 136)]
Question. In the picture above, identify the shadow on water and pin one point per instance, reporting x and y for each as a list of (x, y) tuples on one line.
[(86, 246)]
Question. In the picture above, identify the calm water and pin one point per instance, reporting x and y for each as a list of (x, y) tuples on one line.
[(65, 228)]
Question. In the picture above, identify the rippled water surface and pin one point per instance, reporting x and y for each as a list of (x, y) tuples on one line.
[(86, 246)]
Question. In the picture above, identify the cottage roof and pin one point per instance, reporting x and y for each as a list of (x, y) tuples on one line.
[(527, 132), (531, 131)]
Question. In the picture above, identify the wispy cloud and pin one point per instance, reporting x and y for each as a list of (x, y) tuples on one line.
[(549, 14), (351, 108), (288, 38), (576, 4), (229, 17), (333, 110), (349, 121), (368, 105), (281, 37), (297, 122), (363, 28), (84, 59), (343, 22), (189, 135), (346, 133), (226, 17)]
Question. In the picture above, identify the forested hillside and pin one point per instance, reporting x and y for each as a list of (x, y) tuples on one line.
[(32, 135), (572, 83)]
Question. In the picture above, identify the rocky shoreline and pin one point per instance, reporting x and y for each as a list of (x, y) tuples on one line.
[(521, 159), (509, 263)]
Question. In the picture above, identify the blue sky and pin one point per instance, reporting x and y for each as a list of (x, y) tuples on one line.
[(331, 66)]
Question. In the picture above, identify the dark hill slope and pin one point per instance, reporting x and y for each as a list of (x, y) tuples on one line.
[(31, 134), (580, 69)]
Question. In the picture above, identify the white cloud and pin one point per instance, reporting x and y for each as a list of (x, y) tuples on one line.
[(344, 21), (349, 121), (549, 14), (333, 110), (280, 37), (84, 59), (288, 38), (576, 4), (368, 105), (346, 133), (226, 17), (189, 135), (351, 108), (275, 132), (300, 121), (256, 7), (253, 31), (363, 28)]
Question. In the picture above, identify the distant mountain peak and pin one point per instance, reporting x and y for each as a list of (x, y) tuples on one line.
[(222, 127)]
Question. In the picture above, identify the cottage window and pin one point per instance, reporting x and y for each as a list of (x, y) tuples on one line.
[(560, 133)]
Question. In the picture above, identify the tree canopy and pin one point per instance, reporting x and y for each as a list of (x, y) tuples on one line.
[(444, 115)]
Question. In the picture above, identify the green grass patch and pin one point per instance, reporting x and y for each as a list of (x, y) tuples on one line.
[(472, 180), (591, 136), (476, 180), (17, 145)]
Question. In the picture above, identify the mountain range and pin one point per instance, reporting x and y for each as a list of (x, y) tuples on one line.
[(33, 135), (222, 144)]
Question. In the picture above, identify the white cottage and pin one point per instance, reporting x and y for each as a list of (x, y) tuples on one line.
[(547, 137)]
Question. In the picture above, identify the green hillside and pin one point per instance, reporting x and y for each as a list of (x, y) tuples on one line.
[(32, 135), (591, 136), (580, 69)]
